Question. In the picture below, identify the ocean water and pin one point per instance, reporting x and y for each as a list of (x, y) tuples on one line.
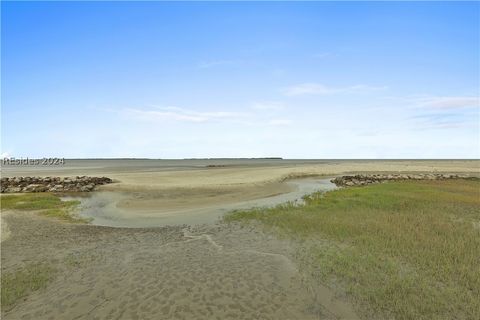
[(92, 166), (99, 166)]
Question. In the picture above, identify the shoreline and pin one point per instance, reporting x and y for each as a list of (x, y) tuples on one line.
[(150, 192), (117, 271), (189, 206)]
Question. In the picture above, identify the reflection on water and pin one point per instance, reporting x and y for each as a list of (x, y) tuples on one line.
[(102, 207)]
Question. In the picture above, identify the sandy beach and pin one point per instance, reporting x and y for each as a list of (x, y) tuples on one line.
[(213, 271), (178, 187), (171, 174)]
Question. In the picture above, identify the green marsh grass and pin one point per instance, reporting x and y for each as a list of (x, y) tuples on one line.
[(400, 250), (18, 284), (48, 205)]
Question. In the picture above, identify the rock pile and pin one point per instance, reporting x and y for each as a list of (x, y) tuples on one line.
[(364, 179), (52, 184)]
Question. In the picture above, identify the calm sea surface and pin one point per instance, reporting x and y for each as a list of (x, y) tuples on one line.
[(79, 167), (92, 166)]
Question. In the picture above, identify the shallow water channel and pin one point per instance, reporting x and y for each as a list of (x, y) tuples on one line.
[(103, 209)]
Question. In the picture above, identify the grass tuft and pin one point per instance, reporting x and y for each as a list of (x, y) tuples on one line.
[(403, 250), (49, 205), (18, 284)]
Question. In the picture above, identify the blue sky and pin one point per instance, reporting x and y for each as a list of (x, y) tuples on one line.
[(192, 79)]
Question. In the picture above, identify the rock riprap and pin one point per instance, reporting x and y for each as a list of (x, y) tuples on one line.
[(52, 184), (366, 179)]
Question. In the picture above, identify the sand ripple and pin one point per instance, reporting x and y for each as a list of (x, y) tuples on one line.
[(210, 272)]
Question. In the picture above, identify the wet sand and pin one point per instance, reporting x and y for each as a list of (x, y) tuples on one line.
[(192, 188), (153, 209), (209, 272)]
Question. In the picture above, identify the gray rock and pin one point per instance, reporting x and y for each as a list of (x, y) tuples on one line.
[(56, 188), (87, 188), (13, 189), (365, 179), (35, 188)]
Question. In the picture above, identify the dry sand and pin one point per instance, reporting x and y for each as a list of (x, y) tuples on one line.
[(246, 177), (152, 185)]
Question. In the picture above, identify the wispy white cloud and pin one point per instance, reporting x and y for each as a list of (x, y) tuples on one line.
[(307, 88), (321, 89), (439, 120), (450, 102), (181, 114), (445, 112), (432, 102), (172, 113)]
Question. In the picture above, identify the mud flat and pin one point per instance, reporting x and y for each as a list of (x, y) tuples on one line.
[(177, 207), (214, 272)]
